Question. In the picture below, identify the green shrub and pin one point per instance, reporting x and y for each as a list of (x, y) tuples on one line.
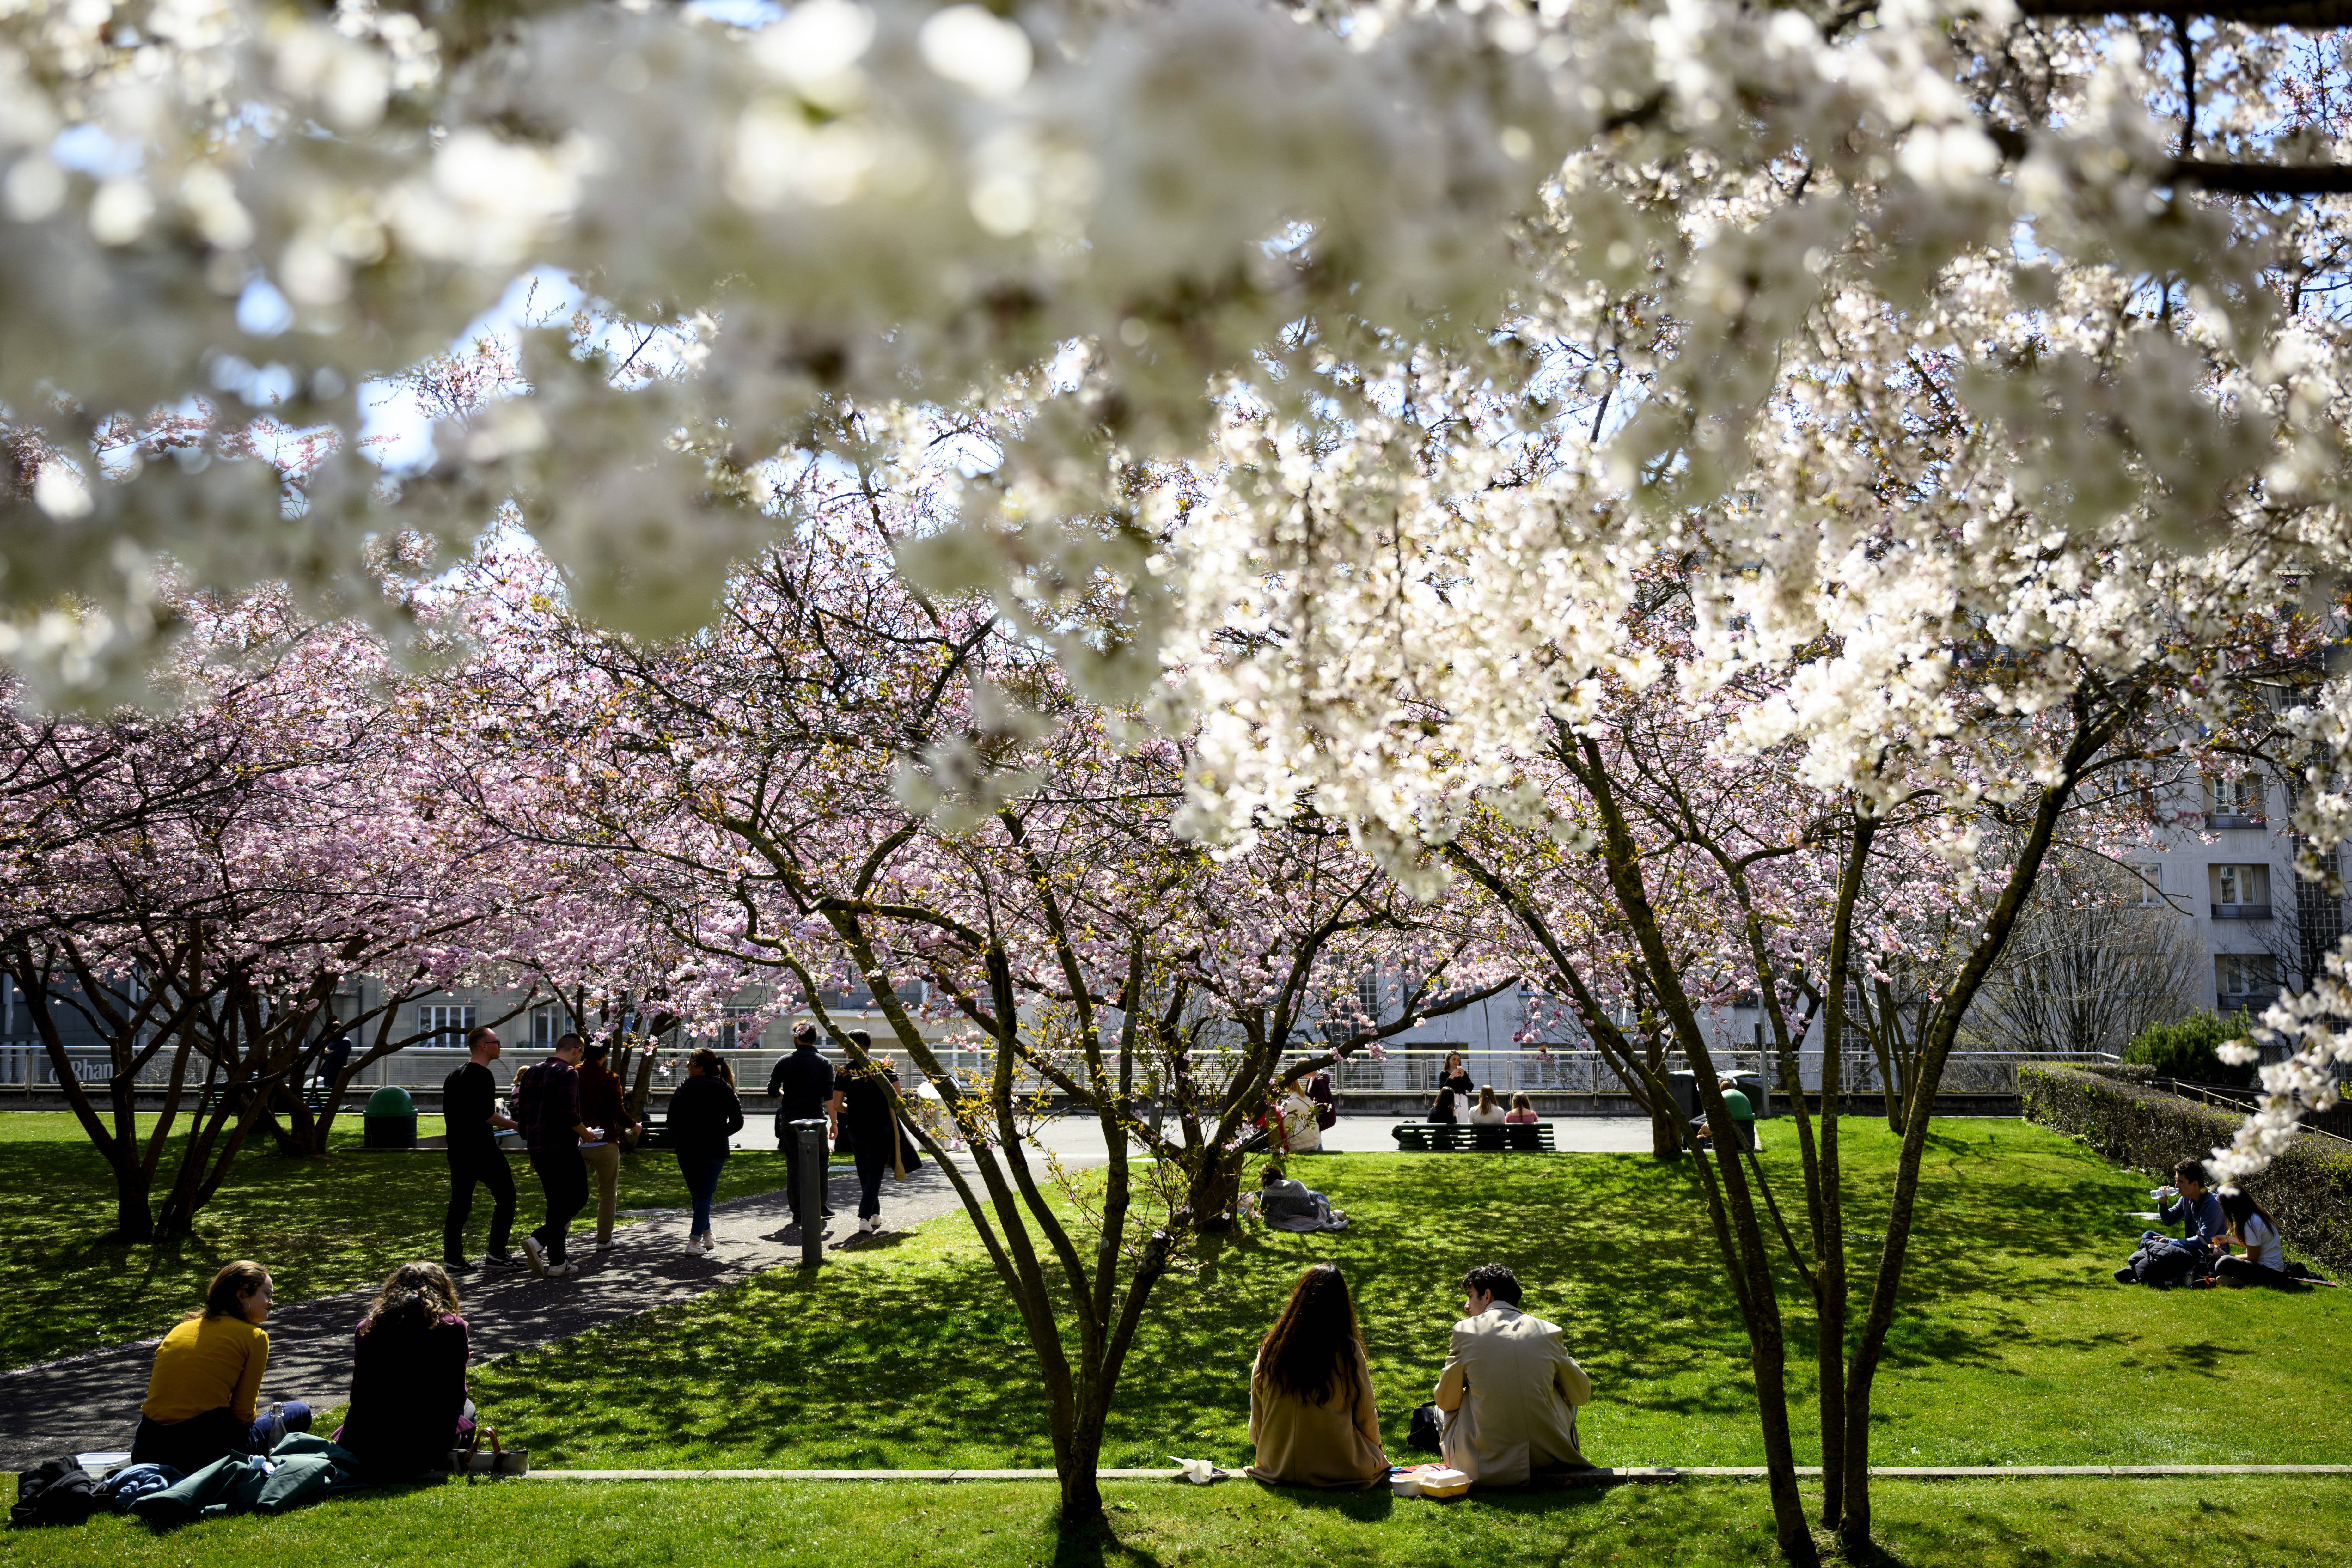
[(2308, 1187), (2185, 1049)]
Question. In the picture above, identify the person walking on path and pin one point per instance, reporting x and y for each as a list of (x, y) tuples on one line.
[(469, 1110), (547, 1103), (704, 1112), (803, 1086), (207, 1378), (408, 1376), (334, 1050), (604, 1103), (869, 1110)]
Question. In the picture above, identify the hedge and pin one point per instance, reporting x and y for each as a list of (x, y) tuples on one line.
[(2308, 1189)]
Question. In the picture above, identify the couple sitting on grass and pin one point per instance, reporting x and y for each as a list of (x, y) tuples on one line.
[(2212, 1223), (1506, 1404), (408, 1406)]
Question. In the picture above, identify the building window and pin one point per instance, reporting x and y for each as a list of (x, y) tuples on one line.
[(2245, 979), (441, 1026), (733, 1035), (546, 1026), (1368, 995), (2151, 882), (2238, 802), (2241, 892)]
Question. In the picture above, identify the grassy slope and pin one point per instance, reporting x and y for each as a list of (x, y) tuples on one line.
[(323, 1226), (2255, 1524), (2014, 1344)]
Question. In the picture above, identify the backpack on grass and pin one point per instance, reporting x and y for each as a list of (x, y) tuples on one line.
[(60, 1492)]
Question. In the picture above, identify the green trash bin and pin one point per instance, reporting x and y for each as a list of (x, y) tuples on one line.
[(390, 1120)]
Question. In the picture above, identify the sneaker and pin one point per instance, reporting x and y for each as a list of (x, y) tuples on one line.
[(503, 1260), (694, 1244), (710, 1244), (561, 1271), (603, 1247), (536, 1253), (870, 1224), (456, 1265), (2126, 1276)]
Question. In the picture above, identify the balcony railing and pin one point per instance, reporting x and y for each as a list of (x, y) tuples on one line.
[(2217, 820), (2242, 911)]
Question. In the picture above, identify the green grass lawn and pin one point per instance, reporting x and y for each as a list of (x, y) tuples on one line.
[(2211, 1522), (2014, 1344), (321, 1226)]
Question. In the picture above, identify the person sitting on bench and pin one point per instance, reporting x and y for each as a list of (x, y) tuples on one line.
[(1488, 1112), (1523, 1110), (1742, 1114), (1443, 1111), (1506, 1400)]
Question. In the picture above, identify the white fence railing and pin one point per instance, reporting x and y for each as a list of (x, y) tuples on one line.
[(24, 1064)]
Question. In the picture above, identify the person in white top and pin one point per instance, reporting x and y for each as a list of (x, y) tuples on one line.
[(1301, 1133), (1488, 1112), (2252, 1227)]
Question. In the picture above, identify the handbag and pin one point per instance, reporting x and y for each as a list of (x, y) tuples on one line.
[(1425, 1433), (470, 1460)]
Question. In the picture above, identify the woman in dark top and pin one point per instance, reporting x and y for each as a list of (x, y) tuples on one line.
[(408, 1375), (703, 1113), (1444, 1110), (1455, 1078), (870, 1115)]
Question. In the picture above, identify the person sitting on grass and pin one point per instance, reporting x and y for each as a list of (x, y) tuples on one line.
[(2250, 1228), (1488, 1112), (1523, 1110), (1506, 1400), (207, 1376), (408, 1376), (1288, 1203), (1311, 1413), (2193, 1205)]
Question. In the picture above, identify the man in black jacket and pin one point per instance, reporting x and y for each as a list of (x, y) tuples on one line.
[(469, 1111), (548, 1098), (803, 1086)]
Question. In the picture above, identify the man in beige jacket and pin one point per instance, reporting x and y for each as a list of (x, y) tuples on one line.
[(1506, 1401)]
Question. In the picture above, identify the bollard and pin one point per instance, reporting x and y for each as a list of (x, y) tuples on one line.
[(809, 1153)]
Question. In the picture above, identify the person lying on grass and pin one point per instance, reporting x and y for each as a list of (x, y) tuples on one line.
[(1506, 1400), (1311, 1413)]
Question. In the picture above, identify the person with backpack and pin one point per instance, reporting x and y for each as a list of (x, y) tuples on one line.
[(703, 1114), (547, 1104), (469, 1111), (202, 1394), (804, 1087)]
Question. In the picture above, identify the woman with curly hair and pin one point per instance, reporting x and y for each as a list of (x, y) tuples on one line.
[(408, 1375)]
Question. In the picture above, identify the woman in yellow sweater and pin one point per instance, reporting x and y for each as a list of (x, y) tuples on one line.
[(207, 1377)]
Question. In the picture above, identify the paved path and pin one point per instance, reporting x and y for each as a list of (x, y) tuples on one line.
[(91, 1402)]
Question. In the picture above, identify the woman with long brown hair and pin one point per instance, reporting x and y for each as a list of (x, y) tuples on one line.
[(1311, 1411), (408, 1374), (703, 1114)]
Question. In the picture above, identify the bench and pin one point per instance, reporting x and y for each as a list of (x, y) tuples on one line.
[(313, 1099), (1460, 1138)]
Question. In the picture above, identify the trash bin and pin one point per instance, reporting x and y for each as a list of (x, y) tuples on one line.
[(1684, 1086), (390, 1120)]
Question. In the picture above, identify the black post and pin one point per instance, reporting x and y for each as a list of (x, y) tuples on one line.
[(810, 1154)]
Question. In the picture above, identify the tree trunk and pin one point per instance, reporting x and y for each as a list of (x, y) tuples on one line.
[(1665, 1133), (1215, 1190)]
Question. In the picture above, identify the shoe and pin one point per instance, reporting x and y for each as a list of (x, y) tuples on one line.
[(710, 1244), (694, 1244), (503, 1260), (2126, 1276), (603, 1247), (456, 1265), (871, 1225), (536, 1253), (563, 1270)]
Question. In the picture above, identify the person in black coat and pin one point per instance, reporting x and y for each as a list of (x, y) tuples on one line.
[(803, 1086), (869, 1111), (408, 1376), (703, 1114)]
